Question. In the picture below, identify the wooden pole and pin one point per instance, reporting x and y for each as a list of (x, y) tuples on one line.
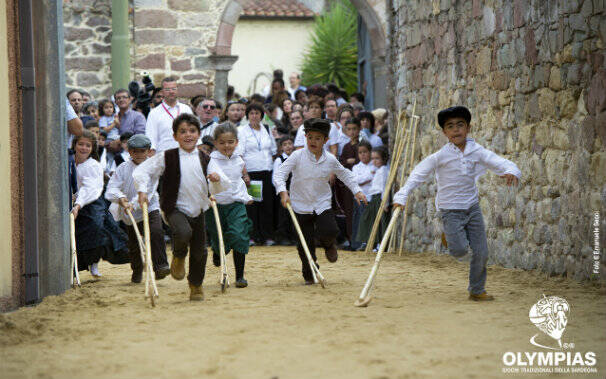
[(364, 298), (392, 175), (412, 161)]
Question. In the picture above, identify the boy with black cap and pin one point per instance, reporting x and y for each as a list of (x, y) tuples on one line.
[(456, 166), (121, 191), (311, 168)]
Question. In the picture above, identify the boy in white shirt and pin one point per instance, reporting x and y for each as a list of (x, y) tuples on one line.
[(311, 169), (184, 198), (456, 166), (121, 191)]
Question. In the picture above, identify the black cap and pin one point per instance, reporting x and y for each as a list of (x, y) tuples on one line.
[(458, 111), (317, 125)]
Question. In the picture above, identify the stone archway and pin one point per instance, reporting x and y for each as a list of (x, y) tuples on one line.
[(223, 60)]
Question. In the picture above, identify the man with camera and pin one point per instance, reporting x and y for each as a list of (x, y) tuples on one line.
[(159, 127)]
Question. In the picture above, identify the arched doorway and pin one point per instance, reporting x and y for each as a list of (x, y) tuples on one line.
[(373, 59)]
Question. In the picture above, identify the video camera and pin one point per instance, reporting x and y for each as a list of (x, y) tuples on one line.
[(142, 96)]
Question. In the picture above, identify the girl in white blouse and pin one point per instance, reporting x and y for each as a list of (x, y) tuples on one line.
[(231, 202), (379, 157), (257, 147), (93, 232)]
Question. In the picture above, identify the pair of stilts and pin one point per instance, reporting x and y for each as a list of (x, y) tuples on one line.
[(151, 290)]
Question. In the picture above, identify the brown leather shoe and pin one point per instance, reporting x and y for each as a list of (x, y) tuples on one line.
[(177, 268), (481, 297), (196, 293), (331, 253)]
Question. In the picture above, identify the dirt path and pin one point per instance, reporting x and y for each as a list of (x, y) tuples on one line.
[(419, 324)]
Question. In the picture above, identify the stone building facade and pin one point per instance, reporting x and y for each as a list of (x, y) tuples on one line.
[(189, 39), (534, 77)]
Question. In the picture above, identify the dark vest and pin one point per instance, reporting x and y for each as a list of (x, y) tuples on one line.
[(171, 179)]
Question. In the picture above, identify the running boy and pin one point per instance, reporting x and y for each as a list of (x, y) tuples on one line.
[(121, 191), (311, 169), (184, 199), (456, 166)]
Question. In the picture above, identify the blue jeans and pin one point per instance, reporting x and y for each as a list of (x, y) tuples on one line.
[(465, 228)]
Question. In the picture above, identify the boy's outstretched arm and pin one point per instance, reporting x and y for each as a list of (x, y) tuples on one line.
[(281, 175), (502, 167), (418, 176)]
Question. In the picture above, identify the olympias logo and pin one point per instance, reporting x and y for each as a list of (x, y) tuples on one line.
[(550, 315)]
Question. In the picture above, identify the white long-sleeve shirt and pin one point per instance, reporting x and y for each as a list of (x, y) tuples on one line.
[(121, 184), (456, 172), (89, 175), (232, 168), (159, 126), (192, 198), (309, 188), (256, 147), (377, 186), (364, 172), (207, 129), (333, 137)]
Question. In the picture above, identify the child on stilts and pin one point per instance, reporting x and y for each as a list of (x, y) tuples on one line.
[(95, 238), (121, 192), (456, 166), (184, 198), (231, 203), (311, 169)]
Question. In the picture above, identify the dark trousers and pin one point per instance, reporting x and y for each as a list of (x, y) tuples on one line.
[(315, 227), (188, 232), (286, 230), (261, 213), (158, 248)]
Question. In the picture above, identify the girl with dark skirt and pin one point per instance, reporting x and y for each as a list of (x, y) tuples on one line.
[(96, 235)]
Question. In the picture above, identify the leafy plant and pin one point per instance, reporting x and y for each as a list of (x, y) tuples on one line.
[(333, 54)]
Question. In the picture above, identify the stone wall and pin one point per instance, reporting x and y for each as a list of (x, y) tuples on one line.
[(168, 37), (88, 36), (534, 76)]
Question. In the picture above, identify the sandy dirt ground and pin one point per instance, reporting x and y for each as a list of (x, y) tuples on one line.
[(419, 324)]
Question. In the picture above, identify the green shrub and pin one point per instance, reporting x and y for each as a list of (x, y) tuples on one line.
[(333, 54)]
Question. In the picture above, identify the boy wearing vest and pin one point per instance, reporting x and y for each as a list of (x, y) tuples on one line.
[(311, 169), (121, 191), (285, 230), (184, 198), (457, 166)]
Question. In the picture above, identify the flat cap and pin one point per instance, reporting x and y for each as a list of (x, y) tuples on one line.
[(139, 141)]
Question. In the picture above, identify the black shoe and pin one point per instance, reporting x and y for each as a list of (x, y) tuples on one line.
[(137, 276), (309, 282), (216, 259), (241, 283), (162, 272)]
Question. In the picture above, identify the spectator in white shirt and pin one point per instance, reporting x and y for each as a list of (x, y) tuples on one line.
[(367, 120), (364, 171), (456, 166), (159, 127), (257, 147), (311, 169), (379, 156)]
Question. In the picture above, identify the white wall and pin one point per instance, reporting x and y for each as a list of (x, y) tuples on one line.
[(265, 45)]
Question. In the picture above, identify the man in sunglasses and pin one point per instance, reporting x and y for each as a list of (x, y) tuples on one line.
[(205, 110)]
